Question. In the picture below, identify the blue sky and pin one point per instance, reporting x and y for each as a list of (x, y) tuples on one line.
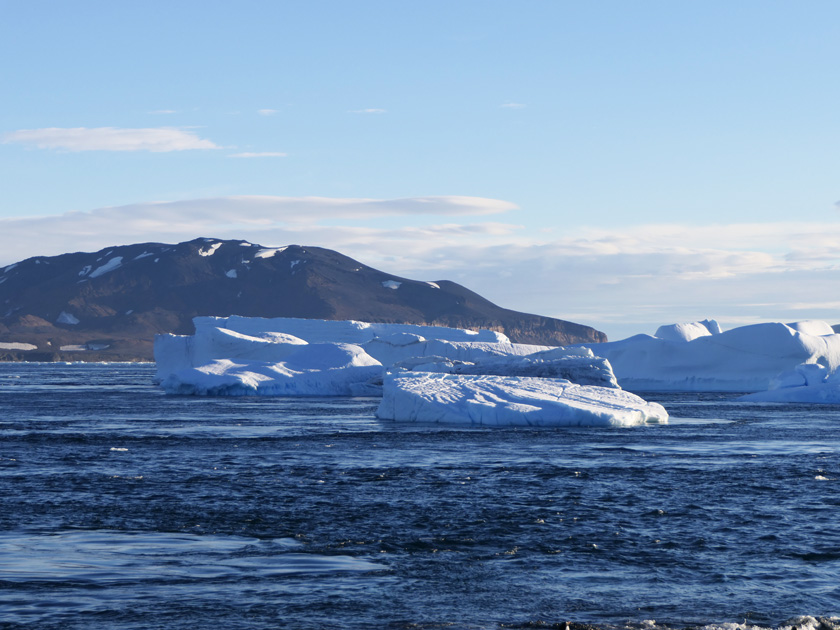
[(619, 164)]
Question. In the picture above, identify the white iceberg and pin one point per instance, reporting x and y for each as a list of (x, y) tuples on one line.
[(578, 365), (699, 357), (16, 345), (806, 383), (301, 357), (321, 369), (689, 331), (510, 401)]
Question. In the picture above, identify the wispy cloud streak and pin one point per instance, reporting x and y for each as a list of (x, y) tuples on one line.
[(74, 139)]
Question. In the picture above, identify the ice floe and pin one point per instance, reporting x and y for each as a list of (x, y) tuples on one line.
[(510, 401), (84, 347)]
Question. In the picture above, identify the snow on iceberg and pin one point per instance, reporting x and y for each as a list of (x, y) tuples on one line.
[(510, 401), (343, 331), (689, 331), (578, 365), (744, 359)]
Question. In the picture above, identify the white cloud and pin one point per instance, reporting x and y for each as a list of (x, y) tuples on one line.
[(156, 139), (258, 154), (253, 216), (513, 106), (164, 111), (267, 112), (621, 280), (370, 110)]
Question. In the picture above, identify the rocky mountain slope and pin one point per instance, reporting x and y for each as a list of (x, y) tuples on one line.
[(109, 305)]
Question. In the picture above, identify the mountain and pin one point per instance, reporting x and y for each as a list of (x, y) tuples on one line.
[(109, 305)]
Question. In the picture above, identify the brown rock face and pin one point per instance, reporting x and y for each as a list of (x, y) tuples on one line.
[(109, 305)]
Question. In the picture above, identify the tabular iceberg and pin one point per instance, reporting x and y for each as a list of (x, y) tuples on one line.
[(510, 401), (319, 369), (305, 357), (454, 372), (699, 357)]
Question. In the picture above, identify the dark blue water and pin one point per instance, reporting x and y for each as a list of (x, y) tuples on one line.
[(122, 508)]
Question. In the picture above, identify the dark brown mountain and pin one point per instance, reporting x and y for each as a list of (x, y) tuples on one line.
[(111, 303)]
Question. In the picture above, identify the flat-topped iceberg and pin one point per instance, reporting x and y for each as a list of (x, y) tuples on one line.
[(701, 357), (293, 357), (262, 339), (579, 365), (510, 401), (318, 369)]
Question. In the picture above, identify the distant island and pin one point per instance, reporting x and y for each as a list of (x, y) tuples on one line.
[(109, 305)]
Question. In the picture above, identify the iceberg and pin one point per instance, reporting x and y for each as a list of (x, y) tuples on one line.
[(319, 369), (303, 357), (484, 400), (579, 365), (701, 357), (806, 383), (269, 340)]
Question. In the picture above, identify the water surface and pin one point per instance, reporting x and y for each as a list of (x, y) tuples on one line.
[(123, 508)]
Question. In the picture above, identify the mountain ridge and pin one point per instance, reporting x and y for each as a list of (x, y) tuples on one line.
[(108, 305)]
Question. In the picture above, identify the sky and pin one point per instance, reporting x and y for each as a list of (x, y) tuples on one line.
[(618, 164)]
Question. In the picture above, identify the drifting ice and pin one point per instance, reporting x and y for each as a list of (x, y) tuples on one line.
[(510, 401)]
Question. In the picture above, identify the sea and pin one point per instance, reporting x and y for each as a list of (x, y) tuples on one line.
[(123, 508)]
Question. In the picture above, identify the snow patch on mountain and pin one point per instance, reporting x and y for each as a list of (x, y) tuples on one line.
[(111, 265), (209, 251), (269, 252), (67, 318)]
